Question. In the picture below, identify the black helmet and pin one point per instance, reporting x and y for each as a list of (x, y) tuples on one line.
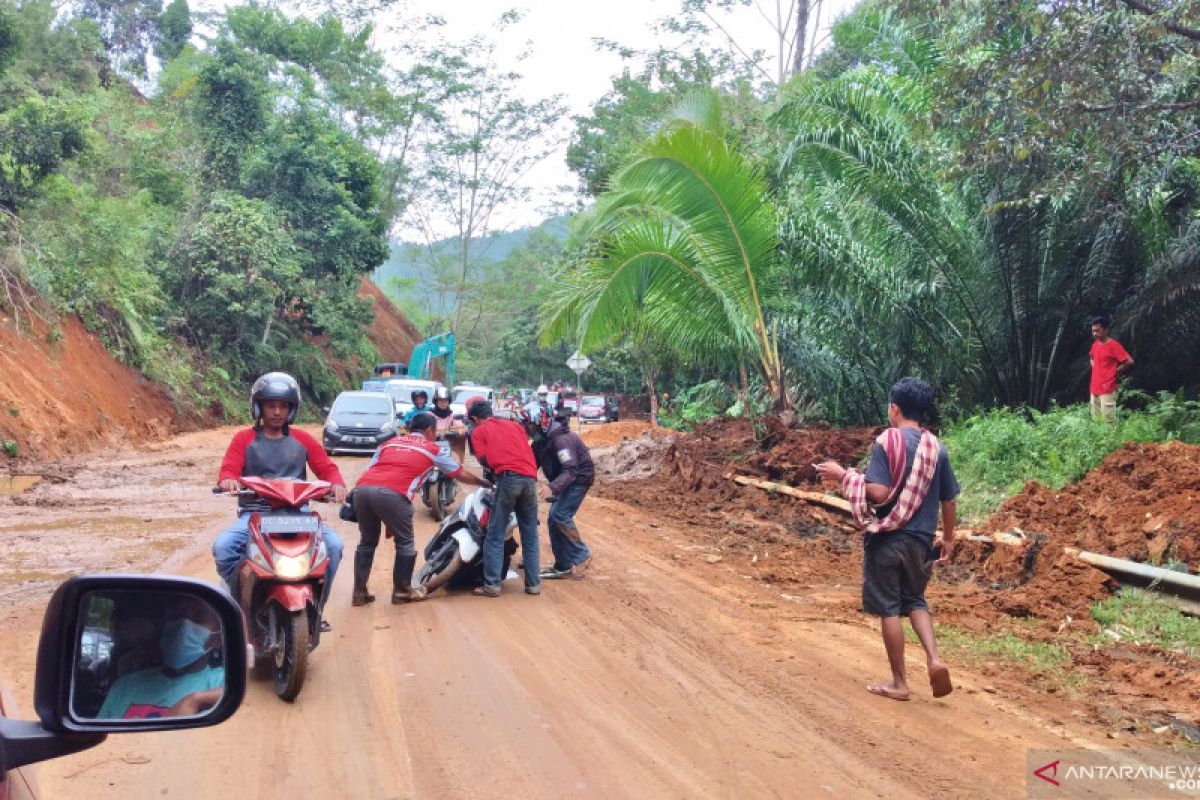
[(275, 386), (441, 393), (419, 393)]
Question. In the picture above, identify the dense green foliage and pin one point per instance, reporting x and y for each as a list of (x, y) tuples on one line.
[(996, 452), (217, 228), (958, 191)]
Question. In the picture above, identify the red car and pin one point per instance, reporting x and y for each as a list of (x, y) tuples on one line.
[(597, 408)]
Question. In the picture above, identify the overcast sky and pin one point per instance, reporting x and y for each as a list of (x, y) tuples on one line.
[(564, 60)]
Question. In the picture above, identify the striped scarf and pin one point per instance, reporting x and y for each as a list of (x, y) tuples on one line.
[(909, 496)]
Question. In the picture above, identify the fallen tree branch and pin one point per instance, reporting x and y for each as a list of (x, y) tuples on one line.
[(838, 504), (829, 501)]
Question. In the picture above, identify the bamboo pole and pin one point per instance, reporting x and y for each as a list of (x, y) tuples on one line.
[(838, 504)]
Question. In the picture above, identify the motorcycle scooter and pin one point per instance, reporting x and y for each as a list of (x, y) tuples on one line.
[(439, 491), (282, 579), (454, 556)]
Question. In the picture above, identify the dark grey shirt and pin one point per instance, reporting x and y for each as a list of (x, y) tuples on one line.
[(943, 487)]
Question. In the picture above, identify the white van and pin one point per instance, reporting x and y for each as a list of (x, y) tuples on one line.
[(401, 390), (465, 391)]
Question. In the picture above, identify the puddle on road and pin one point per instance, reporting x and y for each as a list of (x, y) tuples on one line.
[(15, 484), (103, 526)]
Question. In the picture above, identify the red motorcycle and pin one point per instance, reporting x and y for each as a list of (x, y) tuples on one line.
[(282, 579)]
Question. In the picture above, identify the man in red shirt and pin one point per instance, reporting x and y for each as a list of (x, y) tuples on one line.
[(1109, 360), (272, 449), (384, 496), (502, 447)]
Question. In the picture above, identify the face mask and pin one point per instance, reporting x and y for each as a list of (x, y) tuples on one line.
[(183, 643)]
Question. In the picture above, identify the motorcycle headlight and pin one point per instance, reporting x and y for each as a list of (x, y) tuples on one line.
[(255, 555), (331, 426), (291, 567)]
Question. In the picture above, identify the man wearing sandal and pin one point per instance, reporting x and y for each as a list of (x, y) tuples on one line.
[(384, 496), (897, 501)]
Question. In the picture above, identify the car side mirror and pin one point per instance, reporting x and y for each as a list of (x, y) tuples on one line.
[(325, 409), (120, 654)]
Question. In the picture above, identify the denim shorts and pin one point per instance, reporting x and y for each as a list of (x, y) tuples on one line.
[(896, 570)]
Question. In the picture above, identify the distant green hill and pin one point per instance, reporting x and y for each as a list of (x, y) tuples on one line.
[(410, 260)]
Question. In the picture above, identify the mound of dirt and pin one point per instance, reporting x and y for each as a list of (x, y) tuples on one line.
[(687, 478), (61, 392), (1142, 503), (612, 433), (392, 334)]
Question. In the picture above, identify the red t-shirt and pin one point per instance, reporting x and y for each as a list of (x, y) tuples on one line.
[(503, 445), (253, 453), (1105, 358), (406, 462)]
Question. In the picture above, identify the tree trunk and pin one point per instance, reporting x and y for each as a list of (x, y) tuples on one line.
[(648, 377), (801, 37)]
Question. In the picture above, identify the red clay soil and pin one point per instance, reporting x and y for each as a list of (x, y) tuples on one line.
[(392, 334), (1144, 500), (65, 394), (1142, 503), (69, 395)]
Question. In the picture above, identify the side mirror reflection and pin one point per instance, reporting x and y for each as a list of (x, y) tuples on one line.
[(143, 654)]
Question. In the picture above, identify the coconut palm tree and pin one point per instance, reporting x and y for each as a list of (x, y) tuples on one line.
[(682, 249)]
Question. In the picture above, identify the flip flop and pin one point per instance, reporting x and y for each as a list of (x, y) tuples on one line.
[(939, 681), (486, 591), (883, 690)]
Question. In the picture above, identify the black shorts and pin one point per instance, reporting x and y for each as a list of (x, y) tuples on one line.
[(896, 570)]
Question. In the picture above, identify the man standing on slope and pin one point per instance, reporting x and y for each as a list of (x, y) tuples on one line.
[(897, 502), (1109, 360), (271, 449)]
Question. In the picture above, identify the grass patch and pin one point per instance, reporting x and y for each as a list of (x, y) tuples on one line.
[(995, 453), (1142, 616), (1048, 663)]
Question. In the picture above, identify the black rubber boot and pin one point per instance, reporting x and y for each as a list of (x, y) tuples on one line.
[(362, 572), (402, 588)]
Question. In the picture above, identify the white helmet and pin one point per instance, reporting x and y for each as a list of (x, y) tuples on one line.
[(542, 389)]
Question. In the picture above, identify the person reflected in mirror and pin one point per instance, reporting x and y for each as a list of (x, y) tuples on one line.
[(187, 682)]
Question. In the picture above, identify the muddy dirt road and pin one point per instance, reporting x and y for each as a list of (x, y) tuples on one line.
[(648, 680)]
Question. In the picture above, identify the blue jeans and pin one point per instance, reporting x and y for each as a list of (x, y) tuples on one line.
[(513, 493), (565, 540), (229, 550)]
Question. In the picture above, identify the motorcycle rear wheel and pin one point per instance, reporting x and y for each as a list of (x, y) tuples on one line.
[(291, 660)]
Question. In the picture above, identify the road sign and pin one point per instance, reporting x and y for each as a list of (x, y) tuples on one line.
[(578, 362)]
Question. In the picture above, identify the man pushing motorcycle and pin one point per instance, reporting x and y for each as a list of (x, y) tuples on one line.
[(272, 449), (384, 496)]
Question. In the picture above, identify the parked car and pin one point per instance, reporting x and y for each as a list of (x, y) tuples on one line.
[(460, 395), (100, 633), (400, 390), (359, 422), (570, 402), (597, 408)]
